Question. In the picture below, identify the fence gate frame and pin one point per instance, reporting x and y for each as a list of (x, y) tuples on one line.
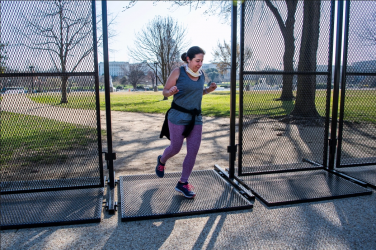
[(364, 169), (157, 200), (335, 181), (62, 204)]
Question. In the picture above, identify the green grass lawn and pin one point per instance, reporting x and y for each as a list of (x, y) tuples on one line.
[(29, 139), (76, 100), (215, 104), (360, 104), (265, 103)]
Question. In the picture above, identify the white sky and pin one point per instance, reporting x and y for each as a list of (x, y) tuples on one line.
[(203, 31)]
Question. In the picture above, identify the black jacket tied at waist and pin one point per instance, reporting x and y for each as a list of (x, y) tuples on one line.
[(188, 128)]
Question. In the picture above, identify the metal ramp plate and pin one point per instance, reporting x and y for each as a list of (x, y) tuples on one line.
[(38, 185), (302, 186), (147, 196), (363, 173), (51, 208), (345, 162), (291, 167)]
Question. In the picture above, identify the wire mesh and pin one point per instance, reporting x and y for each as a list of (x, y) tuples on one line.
[(285, 84), (269, 41), (51, 208), (358, 137), (47, 36), (50, 136), (147, 196), (303, 186), (366, 174)]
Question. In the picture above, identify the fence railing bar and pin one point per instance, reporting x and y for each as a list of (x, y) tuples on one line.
[(48, 74), (360, 74), (284, 73)]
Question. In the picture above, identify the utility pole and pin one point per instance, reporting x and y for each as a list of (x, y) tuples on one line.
[(156, 78)]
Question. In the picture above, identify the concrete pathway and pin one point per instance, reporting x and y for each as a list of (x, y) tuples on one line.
[(19, 103)]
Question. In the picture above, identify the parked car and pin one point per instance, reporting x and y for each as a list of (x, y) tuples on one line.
[(13, 90), (139, 88)]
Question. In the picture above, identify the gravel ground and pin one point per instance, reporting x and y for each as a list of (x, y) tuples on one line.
[(339, 224)]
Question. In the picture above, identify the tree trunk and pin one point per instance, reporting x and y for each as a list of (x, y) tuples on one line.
[(64, 80), (287, 30), (306, 87), (288, 63), (288, 57)]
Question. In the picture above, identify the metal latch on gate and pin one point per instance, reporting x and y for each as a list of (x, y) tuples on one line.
[(109, 157), (232, 149)]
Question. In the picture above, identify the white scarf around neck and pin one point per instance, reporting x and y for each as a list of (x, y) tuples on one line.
[(194, 74)]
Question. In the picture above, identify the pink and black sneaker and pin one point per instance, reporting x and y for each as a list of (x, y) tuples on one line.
[(159, 169), (185, 189)]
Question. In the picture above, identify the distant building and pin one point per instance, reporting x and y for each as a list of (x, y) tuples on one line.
[(362, 81), (209, 66), (363, 66), (116, 68)]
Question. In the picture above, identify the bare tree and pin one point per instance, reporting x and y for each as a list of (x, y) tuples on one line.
[(222, 56), (212, 75), (64, 30), (160, 41), (367, 31), (286, 24), (135, 74), (151, 77), (223, 9), (3, 57)]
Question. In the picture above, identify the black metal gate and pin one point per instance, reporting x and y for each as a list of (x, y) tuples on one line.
[(285, 87), (357, 121), (51, 151)]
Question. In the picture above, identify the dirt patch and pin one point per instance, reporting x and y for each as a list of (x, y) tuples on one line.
[(137, 144), (266, 142)]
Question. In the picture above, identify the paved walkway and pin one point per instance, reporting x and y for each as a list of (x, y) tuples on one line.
[(19, 103)]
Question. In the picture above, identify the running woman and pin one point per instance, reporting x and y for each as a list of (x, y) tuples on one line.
[(184, 119)]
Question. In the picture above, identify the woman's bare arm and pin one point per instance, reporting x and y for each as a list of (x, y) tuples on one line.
[(170, 87)]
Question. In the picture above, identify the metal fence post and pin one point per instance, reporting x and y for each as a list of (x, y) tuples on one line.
[(241, 87), (99, 132), (343, 84), (232, 148), (337, 72), (110, 155)]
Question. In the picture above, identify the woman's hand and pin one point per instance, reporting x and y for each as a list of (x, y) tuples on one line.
[(173, 90), (212, 87)]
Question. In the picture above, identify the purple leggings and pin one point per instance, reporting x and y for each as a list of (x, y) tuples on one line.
[(193, 145)]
